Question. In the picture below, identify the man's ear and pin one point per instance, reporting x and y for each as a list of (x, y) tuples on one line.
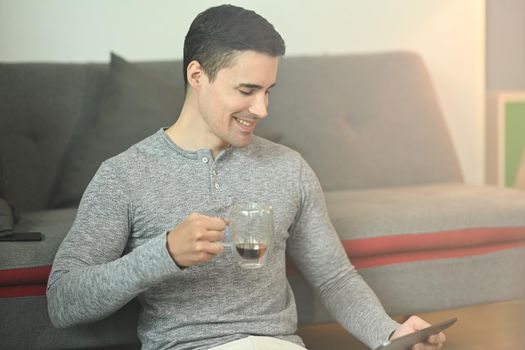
[(195, 74)]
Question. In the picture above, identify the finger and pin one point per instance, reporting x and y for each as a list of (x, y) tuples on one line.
[(418, 346), (201, 258), (422, 346), (427, 346), (209, 248), (215, 248), (217, 223), (213, 236), (210, 222), (437, 338), (433, 339), (417, 323), (210, 236), (194, 216)]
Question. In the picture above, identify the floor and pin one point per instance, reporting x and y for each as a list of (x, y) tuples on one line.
[(499, 326)]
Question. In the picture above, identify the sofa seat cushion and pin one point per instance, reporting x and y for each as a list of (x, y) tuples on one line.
[(401, 224), (24, 270), (425, 248), (25, 266)]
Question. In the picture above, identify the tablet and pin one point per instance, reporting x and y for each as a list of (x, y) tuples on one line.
[(405, 342)]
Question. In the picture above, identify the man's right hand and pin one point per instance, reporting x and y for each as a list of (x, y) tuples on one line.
[(194, 240)]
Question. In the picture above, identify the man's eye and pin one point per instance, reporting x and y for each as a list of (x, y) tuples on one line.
[(246, 93)]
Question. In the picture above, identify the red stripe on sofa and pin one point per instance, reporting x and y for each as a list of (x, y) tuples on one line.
[(397, 258), (433, 241), (30, 275), (26, 290), (404, 248)]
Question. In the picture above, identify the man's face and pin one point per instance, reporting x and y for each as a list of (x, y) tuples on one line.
[(231, 105)]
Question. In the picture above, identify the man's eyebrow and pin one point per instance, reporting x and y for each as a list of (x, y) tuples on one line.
[(254, 86)]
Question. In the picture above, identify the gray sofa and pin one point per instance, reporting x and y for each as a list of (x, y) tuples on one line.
[(369, 125)]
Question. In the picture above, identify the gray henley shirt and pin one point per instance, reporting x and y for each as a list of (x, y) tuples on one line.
[(116, 249)]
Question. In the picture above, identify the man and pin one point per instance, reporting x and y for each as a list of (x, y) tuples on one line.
[(150, 221)]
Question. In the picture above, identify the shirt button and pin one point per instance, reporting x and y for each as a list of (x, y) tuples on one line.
[(205, 159), (214, 172), (217, 186)]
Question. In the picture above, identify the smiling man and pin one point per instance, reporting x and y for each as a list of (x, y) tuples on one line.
[(150, 221), (222, 110)]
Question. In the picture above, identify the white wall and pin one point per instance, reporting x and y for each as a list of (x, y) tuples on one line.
[(505, 45), (449, 34)]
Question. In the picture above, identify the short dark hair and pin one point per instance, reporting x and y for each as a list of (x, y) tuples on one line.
[(219, 33)]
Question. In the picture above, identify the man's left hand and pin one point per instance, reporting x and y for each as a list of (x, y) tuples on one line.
[(415, 323)]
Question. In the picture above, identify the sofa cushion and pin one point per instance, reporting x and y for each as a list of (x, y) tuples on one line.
[(40, 106), (24, 270), (364, 121), (133, 106), (388, 226), (54, 224), (25, 266)]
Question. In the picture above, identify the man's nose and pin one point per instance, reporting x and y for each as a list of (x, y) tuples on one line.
[(259, 106)]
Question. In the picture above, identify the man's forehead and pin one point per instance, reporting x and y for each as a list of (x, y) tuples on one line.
[(252, 70)]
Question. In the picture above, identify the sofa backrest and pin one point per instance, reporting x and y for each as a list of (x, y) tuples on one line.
[(40, 107), (361, 121)]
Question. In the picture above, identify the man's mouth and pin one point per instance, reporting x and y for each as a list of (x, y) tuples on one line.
[(244, 122)]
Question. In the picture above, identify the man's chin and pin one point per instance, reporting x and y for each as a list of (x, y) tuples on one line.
[(243, 142)]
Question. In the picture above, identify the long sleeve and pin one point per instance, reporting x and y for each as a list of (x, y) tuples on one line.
[(316, 250), (90, 278)]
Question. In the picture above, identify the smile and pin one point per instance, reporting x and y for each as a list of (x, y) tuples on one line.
[(244, 122)]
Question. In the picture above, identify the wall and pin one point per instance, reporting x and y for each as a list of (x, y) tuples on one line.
[(449, 34), (505, 45)]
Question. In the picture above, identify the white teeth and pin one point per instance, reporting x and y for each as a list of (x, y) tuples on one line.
[(244, 122)]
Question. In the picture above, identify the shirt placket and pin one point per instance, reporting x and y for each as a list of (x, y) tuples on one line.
[(214, 180)]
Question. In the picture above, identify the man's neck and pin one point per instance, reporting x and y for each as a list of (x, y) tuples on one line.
[(189, 132)]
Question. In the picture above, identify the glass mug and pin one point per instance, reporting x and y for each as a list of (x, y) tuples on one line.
[(251, 227)]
